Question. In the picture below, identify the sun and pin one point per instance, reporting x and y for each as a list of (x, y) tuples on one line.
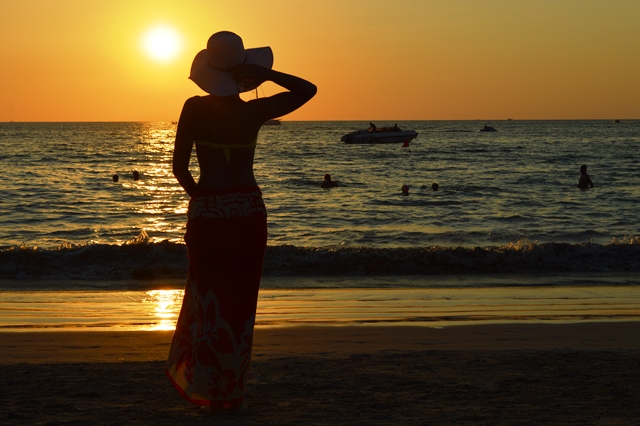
[(162, 43)]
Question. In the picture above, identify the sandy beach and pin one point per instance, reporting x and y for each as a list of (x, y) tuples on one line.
[(584, 373)]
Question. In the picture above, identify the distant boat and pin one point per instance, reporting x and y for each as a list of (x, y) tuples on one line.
[(379, 136), (617, 121), (488, 129)]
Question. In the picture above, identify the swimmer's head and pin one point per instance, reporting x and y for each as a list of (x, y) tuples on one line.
[(405, 189), (583, 168), (327, 177), (434, 186)]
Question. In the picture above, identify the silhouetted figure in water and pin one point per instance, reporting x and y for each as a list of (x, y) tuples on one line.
[(115, 177), (405, 189), (585, 181), (136, 175), (434, 186), (328, 183)]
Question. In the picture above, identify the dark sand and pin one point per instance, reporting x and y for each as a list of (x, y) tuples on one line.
[(530, 374)]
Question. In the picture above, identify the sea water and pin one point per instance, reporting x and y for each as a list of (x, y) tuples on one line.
[(507, 205), (507, 202)]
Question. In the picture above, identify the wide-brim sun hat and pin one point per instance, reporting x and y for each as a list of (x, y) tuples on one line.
[(224, 50)]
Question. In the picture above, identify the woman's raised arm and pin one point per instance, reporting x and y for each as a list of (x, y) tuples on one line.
[(300, 91), (182, 152)]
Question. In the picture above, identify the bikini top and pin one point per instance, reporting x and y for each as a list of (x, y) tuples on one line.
[(227, 147)]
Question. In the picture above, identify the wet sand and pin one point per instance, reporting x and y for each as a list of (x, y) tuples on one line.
[(584, 373)]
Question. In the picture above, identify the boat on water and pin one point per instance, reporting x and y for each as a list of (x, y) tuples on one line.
[(376, 135), (488, 129)]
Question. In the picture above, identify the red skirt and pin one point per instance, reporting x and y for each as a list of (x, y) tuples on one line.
[(211, 348)]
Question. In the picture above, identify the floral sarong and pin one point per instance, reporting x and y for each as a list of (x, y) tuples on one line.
[(211, 348)]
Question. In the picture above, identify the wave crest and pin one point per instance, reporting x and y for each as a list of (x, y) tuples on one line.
[(144, 259)]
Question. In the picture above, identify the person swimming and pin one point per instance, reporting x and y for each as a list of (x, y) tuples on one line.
[(405, 189), (328, 183), (585, 181)]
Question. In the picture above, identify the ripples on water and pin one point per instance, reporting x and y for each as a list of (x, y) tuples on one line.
[(496, 188)]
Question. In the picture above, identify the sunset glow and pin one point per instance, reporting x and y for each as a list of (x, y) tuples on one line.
[(161, 43), (417, 60)]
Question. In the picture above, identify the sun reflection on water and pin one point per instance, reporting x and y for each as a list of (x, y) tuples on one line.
[(164, 305)]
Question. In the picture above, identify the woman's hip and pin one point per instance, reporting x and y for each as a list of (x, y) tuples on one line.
[(228, 203)]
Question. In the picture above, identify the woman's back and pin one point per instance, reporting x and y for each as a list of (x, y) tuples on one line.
[(225, 131)]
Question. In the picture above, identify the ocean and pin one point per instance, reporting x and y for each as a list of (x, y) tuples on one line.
[(508, 206)]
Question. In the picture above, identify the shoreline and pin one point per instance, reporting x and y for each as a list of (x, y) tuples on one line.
[(454, 281), (552, 374), (331, 356), (155, 310), (325, 341)]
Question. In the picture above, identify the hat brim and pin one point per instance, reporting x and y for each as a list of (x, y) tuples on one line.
[(220, 83)]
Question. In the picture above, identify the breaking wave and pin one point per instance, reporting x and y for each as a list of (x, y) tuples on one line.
[(143, 259)]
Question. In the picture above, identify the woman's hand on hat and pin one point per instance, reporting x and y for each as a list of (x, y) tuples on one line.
[(249, 74)]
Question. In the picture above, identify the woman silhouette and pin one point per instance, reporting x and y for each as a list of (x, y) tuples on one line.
[(227, 221)]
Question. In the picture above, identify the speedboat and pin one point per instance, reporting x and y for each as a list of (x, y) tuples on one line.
[(488, 129), (380, 135)]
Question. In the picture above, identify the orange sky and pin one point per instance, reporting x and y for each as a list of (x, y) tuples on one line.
[(80, 60)]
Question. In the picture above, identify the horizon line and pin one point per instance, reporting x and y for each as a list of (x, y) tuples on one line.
[(330, 120)]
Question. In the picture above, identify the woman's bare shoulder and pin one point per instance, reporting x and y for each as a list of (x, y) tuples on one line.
[(193, 105), (193, 101)]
